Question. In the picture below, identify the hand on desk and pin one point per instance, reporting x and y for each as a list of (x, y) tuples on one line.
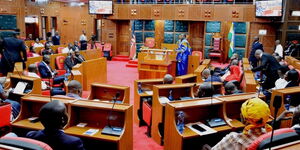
[(286, 115)]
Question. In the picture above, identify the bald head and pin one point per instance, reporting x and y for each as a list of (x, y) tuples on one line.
[(75, 87), (168, 79), (258, 53), (53, 115), (32, 68), (206, 73), (230, 87)]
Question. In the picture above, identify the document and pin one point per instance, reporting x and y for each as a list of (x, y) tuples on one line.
[(20, 87), (91, 132), (201, 128)]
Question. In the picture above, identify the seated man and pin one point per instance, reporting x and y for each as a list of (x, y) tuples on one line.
[(15, 106), (68, 49), (37, 43), (74, 90), (206, 74), (76, 46), (53, 117), (47, 50), (70, 61), (79, 57), (168, 79), (256, 113), (46, 71), (292, 77), (231, 88), (32, 72), (206, 90)]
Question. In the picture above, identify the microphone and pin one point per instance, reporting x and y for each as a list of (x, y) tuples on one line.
[(276, 104), (110, 130)]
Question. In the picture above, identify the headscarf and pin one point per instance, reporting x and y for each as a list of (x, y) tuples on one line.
[(256, 112)]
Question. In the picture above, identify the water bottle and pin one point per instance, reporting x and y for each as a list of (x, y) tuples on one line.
[(180, 122), (140, 87), (170, 97), (287, 102)]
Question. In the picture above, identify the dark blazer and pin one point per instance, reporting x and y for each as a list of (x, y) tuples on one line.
[(56, 40), (57, 140), (80, 59), (69, 63), (13, 48), (44, 71), (255, 46), (268, 63)]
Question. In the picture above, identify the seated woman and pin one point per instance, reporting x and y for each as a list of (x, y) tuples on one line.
[(234, 72), (37, 43)]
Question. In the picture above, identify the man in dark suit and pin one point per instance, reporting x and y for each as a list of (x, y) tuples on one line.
[(269, 67), (70, 61), (12, 49), (53, 116), (255, 46), (46, 71), (56, 39)]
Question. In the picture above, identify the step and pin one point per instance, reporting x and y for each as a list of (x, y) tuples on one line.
[(120, 59), (133, 62), (132, 65)]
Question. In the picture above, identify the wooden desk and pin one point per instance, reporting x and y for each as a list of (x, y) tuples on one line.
[(107, 92), (168, 46), (178, 90), (94, 70), (245, 61), (30, 107), (206, 62), (193, 63), (33, 84), (194, 111), (232, 107), (147, 85), (188, 78), (218, 87), (283, 93), (198, 72), (95, 114)]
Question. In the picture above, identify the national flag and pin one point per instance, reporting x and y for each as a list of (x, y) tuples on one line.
[(231, 39)]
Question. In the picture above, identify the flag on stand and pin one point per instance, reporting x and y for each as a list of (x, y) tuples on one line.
[(231, 39)]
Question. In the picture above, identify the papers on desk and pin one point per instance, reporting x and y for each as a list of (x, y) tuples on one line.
[(81, 124), (20, 87), (200, 128), (91, 132), (149, 92), (163, 99)]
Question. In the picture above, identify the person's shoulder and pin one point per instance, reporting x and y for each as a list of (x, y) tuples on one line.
[(69, 139), (34, 134)]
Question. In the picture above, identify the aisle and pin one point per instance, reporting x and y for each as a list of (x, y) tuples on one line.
[(119, 74)]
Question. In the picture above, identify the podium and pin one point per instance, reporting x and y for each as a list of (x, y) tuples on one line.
[(155, 63)]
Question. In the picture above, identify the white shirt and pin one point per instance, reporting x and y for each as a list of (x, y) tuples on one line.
[(82, 38), (32, 74), (65, 50), (279, 50), (35, 45), (280, 84)]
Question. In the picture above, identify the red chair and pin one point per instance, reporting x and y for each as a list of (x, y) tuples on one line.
[(147, 111), (5, 111), (89, 46), (107, 52), (150, 42), (216, 51), (59, 50), (198, 53), (59, 63), (98, 46), (23, 143)]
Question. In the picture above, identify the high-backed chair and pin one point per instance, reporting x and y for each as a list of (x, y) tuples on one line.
[(150, 42), (59, 63), (23, 143), (217, 50), (59, 50), (98, 46), (198, 53)]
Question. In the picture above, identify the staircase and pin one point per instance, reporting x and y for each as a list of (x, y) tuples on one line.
[(120, 58), (132, 64)]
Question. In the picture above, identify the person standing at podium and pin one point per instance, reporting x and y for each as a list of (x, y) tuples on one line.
[(184, 50)]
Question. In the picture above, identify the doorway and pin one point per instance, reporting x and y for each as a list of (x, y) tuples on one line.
[(32, 26)]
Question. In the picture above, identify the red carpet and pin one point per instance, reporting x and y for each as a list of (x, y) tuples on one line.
[(119, 74)]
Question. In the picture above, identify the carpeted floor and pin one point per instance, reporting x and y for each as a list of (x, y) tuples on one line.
[(119, 74)]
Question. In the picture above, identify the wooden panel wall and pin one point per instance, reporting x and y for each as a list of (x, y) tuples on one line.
[(159, 33), (109, 33), (123, 37), (268, 40), (196, 35)]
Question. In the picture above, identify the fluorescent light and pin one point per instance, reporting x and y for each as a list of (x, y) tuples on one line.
[(262, 32), (296, 13), (299, 27)]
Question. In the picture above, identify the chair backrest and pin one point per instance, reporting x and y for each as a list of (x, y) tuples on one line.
[(59, 50), (5, 111), (24, 143), (59, 61), (255, 144), (150, 42), (98, 46), (89, 46), (197, 53), (217, 43), (107, 47)]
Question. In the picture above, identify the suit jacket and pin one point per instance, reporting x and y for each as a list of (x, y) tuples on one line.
[(13, 48), (44, 71), (57, 140), (69, 63), (56, 40), (255, 46), (80, 59), (268, 63)]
